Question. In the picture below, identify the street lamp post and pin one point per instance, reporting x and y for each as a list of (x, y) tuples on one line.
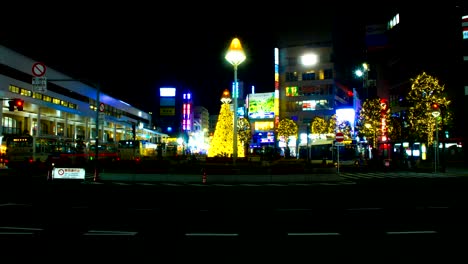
[(96, 145), (235, 55), (436, 114), (364, 74), (308, 148), (374, 137)]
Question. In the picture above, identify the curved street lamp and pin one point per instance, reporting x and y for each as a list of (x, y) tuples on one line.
[(235, 55)]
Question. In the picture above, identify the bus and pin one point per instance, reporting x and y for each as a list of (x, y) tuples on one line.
[(60, 151), (325, 152), (16, 150), (136, 150), (107, 152)]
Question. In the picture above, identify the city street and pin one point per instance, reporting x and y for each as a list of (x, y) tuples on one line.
[(315, 218)]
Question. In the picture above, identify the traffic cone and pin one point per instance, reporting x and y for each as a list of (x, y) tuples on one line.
[(204, 177), (96, 175)]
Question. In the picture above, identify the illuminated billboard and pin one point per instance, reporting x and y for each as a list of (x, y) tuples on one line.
[(167, 111), (465, 26), (262, 105), (346, 114), (312, 105), (167, 101), (167, 92)]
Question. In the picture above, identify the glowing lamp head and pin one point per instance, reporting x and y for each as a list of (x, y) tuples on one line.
[(235, 54)]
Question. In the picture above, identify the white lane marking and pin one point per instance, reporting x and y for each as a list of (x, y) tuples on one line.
[(212, 234), (315, 234), (109, 233), (411, 232)]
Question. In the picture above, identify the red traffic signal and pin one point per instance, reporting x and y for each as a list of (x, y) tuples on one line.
[(16, 103), (19, 104), (435, 106)]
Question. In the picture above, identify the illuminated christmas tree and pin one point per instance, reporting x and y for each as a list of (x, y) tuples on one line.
[(221, 144)]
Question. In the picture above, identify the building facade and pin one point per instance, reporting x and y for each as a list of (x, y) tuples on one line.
[(308, 88), (64, 107)]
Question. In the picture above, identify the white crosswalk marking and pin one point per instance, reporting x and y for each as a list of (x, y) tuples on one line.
[(345, 178), (146, 183), (171, 184), (249, 184), (392, 175), (122, 183)]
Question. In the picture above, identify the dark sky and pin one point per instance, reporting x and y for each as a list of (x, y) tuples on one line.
[(133, 50), (132, 64)]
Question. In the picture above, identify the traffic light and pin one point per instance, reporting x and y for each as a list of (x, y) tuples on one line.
[(11, 106), (19, 103), (435, 107), (15, 103)]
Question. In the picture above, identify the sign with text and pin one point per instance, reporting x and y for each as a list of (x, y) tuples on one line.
[(68, 173), (39, 84), (167, 111)]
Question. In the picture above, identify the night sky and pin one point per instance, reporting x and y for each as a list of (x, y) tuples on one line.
[(134, 50), (131, 65)]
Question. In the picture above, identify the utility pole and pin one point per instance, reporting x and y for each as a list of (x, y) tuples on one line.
[(96, 146)]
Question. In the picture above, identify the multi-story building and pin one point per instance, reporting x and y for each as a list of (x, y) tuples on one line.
[(212, 124), (404, 47), (200, 119), (199, 135), (307, 86), (60, 106), (464, 68)]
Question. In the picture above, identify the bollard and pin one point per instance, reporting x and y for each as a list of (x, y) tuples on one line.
[(49, 172)]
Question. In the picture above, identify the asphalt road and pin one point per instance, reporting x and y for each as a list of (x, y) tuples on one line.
[(414, 216)]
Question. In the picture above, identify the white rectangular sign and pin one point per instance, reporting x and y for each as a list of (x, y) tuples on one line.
[(39, 84), (68, 173)]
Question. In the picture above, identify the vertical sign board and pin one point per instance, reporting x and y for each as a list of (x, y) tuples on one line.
[(167, 101), (39, 81), (39, 84), (339, 142), (102, 115)]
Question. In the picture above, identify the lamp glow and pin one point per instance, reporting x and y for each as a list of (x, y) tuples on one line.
[(235, 55)]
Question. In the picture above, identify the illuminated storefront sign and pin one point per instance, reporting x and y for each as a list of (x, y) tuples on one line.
[(261, 105)]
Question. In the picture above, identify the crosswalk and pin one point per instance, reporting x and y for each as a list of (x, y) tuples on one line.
[(345, 179), (394, 175)]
